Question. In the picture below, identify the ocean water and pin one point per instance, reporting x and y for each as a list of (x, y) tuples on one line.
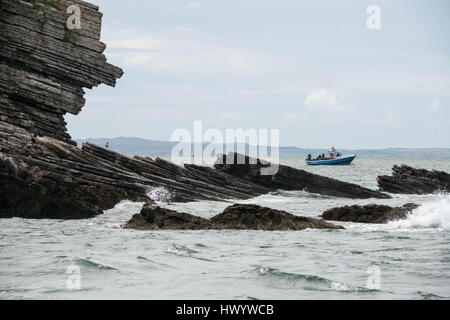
[(407, 259)]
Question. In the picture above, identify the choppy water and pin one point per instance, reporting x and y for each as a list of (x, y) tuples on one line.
[(412, 256)]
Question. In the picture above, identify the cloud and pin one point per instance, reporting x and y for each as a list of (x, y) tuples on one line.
[(193, 5), (231, 115), (433, 106), (150, 5), (321, 99), (139, 42), (186, 29)]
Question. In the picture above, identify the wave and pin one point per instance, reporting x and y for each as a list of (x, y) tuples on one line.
[(183, 251), (434, 214), (93, 265), (309, 282), (429, 296)]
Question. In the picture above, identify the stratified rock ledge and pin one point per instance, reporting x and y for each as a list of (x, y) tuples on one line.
[(44, 68), (235, 217), (371, 213), (408, 180), (291, 179)]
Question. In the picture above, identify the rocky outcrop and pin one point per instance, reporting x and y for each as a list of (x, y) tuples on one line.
[(371, 213), (408, 180), (288, 178), (44, 68), (41, 177), (235, 217)]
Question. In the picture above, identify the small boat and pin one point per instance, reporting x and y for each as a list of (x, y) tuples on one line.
[(333, 158)]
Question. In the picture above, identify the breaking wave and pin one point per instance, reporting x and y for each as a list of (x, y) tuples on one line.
[(434, 214)]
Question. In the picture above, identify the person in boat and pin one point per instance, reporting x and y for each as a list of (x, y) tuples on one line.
[(309, 157)]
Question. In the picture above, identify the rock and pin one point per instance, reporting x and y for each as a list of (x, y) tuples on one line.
[(44, 68), (288, 178), (41, 177), (408, 180), (153, 217), (238, 216), (371, 213)]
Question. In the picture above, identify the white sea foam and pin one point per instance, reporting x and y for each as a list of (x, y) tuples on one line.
[(433, 214), (159, 194)]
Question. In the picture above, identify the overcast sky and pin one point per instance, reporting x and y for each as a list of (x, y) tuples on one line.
[(309, 68)]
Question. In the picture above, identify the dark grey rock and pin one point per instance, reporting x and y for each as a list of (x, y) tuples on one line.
[(371, 213), (235, 217), (408, 180)]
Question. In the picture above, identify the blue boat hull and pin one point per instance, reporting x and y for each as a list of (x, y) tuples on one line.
[(341, 161)]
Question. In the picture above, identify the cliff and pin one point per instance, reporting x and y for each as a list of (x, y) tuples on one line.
[(44, 68)]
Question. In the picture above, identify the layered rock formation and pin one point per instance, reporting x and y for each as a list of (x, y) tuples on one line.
[(408, 180), (288, 178), (235, 217), (44, 67), (371, 213), (41, 177)]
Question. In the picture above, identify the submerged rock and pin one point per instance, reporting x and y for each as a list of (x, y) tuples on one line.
[(238, 216), (409, 180), (371, 213)]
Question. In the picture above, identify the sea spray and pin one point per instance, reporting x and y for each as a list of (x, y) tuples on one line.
[(433, 214), (160, 195)]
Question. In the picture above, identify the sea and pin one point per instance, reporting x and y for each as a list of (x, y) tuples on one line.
[(98, 259)]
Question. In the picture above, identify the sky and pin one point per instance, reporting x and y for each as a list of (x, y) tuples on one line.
[(312, 69)]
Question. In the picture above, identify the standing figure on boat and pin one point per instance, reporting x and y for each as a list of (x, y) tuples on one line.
[(333, 158)]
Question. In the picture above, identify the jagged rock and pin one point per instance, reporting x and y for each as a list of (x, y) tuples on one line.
[(288, 178), (44, 66), (43, 70), (238, 216), (409, 180), (55, 179), (371, 213)]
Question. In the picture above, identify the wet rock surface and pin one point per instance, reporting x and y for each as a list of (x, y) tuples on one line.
[(408, 180), (235, 217), (371, 213)]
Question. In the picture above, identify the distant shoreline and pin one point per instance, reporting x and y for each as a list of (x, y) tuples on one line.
[(155, 148)]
